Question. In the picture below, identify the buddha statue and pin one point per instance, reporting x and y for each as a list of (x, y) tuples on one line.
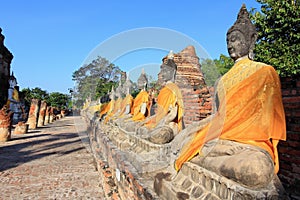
[(167, 121), (127, 102), (240, 141), (115, 112), (140, 108), (107, 108)]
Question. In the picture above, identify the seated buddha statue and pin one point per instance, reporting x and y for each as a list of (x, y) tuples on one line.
[(167, 121), (115, 112), (127, 102), (108, 107), (240, 141), (140, 108)]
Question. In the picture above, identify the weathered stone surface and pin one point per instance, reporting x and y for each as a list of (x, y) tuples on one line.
[(47, 115), (33, 113), (42, 113), (5, 60), (21, 128), (5, 124), (188, 68)]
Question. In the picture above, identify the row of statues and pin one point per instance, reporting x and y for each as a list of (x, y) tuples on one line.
[(239, 141)]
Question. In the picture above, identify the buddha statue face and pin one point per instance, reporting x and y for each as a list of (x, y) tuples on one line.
[(237, 45), (168, 71)]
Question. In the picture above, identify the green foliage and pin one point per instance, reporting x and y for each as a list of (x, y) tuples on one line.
[(34, 93), (278, 26), (213, 69), (224, 63), (55, 99), (58, 100), (104, 87), (94, 80)]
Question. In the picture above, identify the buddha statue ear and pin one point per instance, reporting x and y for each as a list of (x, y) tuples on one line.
[(252, 45)]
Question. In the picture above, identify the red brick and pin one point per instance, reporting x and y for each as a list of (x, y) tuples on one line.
[(291, 99), (293, 136)]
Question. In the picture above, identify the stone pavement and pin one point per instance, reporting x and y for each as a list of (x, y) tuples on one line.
[(51, 162)]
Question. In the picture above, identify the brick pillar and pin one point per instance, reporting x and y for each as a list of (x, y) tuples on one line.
[(47, 115), (52, 116), (5, 124), (33, 113), (289, 150), (42, 113)]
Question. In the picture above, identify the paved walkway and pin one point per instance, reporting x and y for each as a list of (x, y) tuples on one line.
[(51, 162)]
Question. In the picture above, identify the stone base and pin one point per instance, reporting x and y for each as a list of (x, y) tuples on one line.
[(195, 182), (21, 129), (5, 134), (32, 123)]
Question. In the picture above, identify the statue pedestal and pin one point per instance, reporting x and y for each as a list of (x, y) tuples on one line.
[(5, 124), (195, 182), (21, 128), (5, 134)]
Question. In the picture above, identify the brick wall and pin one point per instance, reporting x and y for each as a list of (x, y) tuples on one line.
[(289, 150), (197, 104)]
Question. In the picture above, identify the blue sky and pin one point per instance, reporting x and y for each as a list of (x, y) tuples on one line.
[(52, 39)]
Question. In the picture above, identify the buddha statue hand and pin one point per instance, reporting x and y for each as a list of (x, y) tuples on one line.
[(171, 114), (161, 135)]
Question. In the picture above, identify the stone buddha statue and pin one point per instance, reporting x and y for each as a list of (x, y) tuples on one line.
[(240, 141), (167, 121), (128, 100), (115, 112), (108, 107), (140, 108)]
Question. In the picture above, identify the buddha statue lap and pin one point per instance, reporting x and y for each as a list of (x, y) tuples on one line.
[(240, 141)]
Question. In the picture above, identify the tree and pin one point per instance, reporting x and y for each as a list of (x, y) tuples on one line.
[(213, 69), (55, 99), (58, 100), (223, 64), (35, 93), (95, 79), (278, 26)]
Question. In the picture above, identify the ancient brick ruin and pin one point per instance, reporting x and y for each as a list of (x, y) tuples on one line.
[(5, 61), (197, 98)]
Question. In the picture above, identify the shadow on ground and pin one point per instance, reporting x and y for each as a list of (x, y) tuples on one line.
[(37, 146)]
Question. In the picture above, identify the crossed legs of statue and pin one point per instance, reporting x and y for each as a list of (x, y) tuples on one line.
[(159, 135), (243, 163)]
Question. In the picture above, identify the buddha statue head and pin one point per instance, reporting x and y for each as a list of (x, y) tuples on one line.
[(168, 70), (127, 86), (118, 92), (142, 80), (112, 94), (241, 37)]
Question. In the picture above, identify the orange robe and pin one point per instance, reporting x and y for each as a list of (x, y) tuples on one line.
[(128, 100), (114, 110), (169, 95), (142, 97), (250, 111), (107, 108)]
